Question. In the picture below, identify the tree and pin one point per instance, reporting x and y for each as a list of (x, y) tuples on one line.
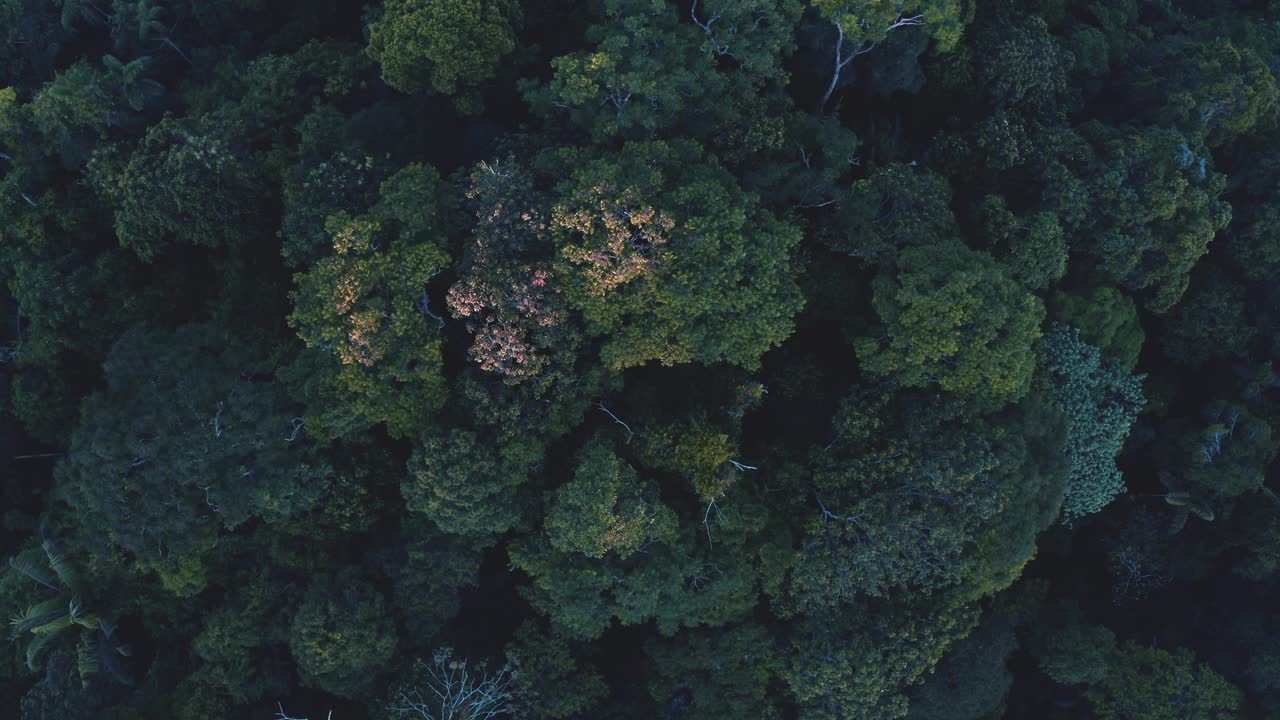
[(647, 73), (666, 259), (861, 24), (1105, 317), (1145, 683), (1214, 90), (1210, 322), (725, 673), (447, 689), (552, 678), (896, 206), (971, 681), (463, 489), (508, 291), (1211, 461), (182, 181), (187, 438), (367, 306), (859, 662), (676, 582), (430, 573), (605, 508), (1101, 403), (1033, 249), (1158, 208), (48, 621), (444, 46), (952, 318), (237, 640), (342, 636), (74, 110), (753, 35), (908, 491), (1079, 653)]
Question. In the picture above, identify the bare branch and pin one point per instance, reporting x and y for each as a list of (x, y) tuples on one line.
[(625, 426)]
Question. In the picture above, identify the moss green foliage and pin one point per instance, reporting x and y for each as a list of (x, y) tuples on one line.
[(1105, 318), (342, 636), (442, 46), (951, 317), (1077, 653), (606, 508), (639, 359), (971, 681), (1146, 682), (179, 183), (711, 675)]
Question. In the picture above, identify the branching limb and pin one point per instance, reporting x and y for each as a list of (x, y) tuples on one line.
[(625, 426)]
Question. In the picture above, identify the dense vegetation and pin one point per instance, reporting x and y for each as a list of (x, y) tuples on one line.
[(684, 359)]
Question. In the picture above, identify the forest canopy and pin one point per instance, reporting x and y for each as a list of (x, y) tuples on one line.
[(633, 359)]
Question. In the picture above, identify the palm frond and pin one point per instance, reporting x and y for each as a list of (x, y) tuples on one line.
[(87, 659), (84, 620), (27, 565), (58, 563), (36, 647), (37, 615), (54, 626)]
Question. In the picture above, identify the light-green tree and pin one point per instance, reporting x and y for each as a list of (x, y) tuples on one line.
[(952, 318), (606, 508), (445, 46)]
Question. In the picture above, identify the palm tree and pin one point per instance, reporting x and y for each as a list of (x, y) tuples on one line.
[(62, 614)]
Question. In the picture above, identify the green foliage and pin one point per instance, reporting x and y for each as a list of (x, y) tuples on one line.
[(679, 582), (857, 664), (648, 70), (1101, 402), (713, 675), (869, 21), (606, 508), (186, 439), (1222, 456), (1158, 207), (551, 677), (463, 488), (1105, 318), (61, 618), (1214, 90), (1021, 64), (894, 207), (970, 681), (581, 341), (1146, 683), (443, 46), (1076, 654), (670, 261), (1211, 321), (342, 636), (179, 182), (367, 307), (1033, 250), (916, 497), (77, 102), (952, 318)]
